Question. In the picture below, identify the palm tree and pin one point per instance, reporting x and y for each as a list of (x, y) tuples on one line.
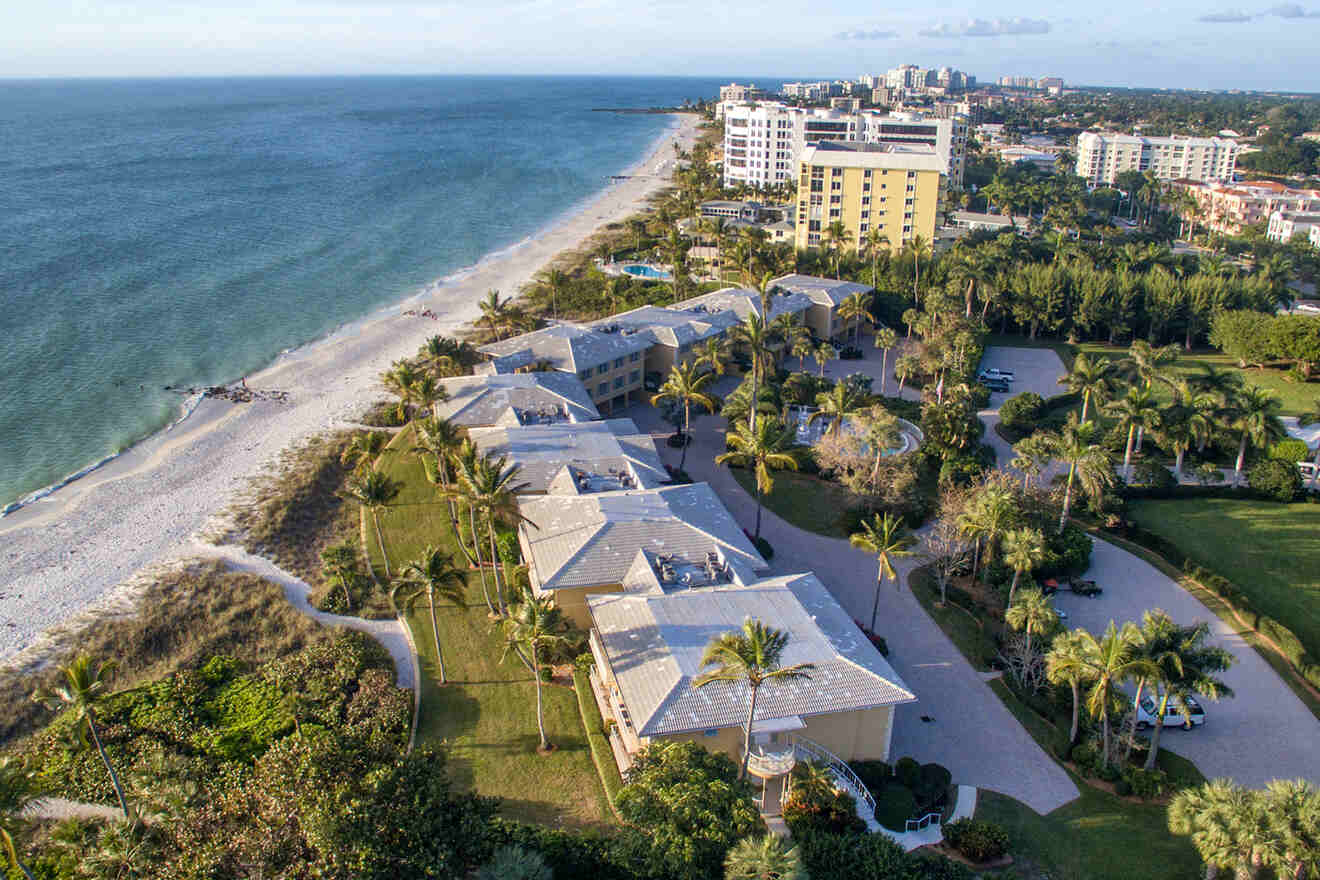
[(802, 349), (763, 858), (1069, 662), (1091, 378), (754, 333), (836, 239), (1292, 808), (553, 281), (434, 573), (492, 490), (1113, 663), (873, 242), (373, 491), (763, 448), (1136, 410), (339, 563), (534, 625), (1088, 462), (426, 392), (905, 367), (1024, 549), (1219, 816), (467, 463), (85, 682), (1310, 417), (840, 401), (1256, 414), (362, 449), (990, 514), (714, 353), (887, 538), (1178, 430), (684, 387), (401, 379), (885, 339), (1185, 665), (882, 433), (441, 438), (18, 790), (494, 312), (825, 352), (856, 307), (751, 657), (1032, 613), (1145, 364)]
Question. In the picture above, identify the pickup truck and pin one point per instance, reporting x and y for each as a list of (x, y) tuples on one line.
[(995, 373)]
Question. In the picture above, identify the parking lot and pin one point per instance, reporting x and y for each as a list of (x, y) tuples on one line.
[(1034, 369)]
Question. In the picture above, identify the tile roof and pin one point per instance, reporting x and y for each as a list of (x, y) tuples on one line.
[(654, 643), (743, 302), (669, 327), (497, 399), (568, 347), (592, 540), (822, 291), (546, 451)]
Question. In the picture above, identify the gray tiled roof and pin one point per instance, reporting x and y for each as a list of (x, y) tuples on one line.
[(492, 399), (669, 327), (743, 302), (544, 451), (567, 347), (592, 540), (654, 643), (823, 291)]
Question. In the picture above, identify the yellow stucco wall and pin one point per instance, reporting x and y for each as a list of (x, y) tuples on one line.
[(573, 602), (853, 736)]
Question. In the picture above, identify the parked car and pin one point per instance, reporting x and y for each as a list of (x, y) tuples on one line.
[(996, 373), (1174, 716), (999, 385), (1089, 589), (1307, 469)]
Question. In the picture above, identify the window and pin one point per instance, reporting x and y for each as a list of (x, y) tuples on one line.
[(635, 356), (602, 369), (618, 362), (618, 382), (603, 388), (585, 375), (634, 376), (711, 732)]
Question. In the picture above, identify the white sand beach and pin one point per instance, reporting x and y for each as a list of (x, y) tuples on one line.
[(72, 551)]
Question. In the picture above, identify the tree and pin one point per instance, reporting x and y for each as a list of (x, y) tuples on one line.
[(763, 858), (1292, 811), (434, 573), (554, 283), (339, 564), (1024, 549), (750, 658), (362, 449), (1112, 663), (1091, 378), (18, 790), (755, 335), (441, 439), (1220, 817), (1136, 410), (533, 625), (1310, 417), (373, 492), (836, 238), (1088, 462), (713, 353), (401, 380), (1255, 413), (990, 513), (1069, 662), (1178, 431), (494, 313), (1033, 614), (906, 367), (836, 404), (763, 448), (683, 386), (1031, 454), (885, 339), (886, 537), (1184, 665), (493, 491), (85, 682), (825, 352), (854, 310)]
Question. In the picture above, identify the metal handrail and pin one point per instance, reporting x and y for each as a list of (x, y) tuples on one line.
[(814, 751), (924, 822)]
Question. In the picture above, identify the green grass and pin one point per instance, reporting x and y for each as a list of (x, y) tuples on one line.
[(960, 625), (1269, 551), (805, 501), (486, 715)]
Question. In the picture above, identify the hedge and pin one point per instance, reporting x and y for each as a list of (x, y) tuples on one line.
[(602, 755)]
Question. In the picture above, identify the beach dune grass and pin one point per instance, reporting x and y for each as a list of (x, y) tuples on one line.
[(485, 716)]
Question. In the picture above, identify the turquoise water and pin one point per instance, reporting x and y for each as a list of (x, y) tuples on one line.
[(640, 271), (184, 232)]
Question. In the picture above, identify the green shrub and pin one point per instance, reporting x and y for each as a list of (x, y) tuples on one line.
[(1290, 450), (1153, 476), (978, 841), (849, 855), (908, 772), (1021, 410), (1145, 784), (1276, 480), (1066, 553), (832, 811), (1122, 788), (597, 736), (895, 805), (874, 774), (962, 470), (932, 786)]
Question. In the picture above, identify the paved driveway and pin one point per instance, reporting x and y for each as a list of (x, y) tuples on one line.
[(1035, 369), (1262, 733), (970, 731)]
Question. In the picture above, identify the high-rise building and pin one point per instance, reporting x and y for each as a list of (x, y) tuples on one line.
[(1101, 157), (762, 140), (891, 188)]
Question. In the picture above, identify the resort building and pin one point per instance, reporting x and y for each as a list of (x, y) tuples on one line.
[(516, 399), (671, 335), (763, 140), (647, 647), (576, 459), (609, 365), (1285, 224), (1101, 157), (897, 190), (1231, 207), (826, 295), (603, 542), (741, 303)]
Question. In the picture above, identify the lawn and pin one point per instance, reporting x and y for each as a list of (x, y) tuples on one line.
[(486, 714), (805, 501), (1269, 551), (959, 624)]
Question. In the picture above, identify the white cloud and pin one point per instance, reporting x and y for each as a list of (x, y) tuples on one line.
[(994, 27), (861, 34), (1230, 17), (1292, 10)]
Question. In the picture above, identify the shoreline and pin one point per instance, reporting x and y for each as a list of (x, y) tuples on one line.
[(72, 546), (193, 400)]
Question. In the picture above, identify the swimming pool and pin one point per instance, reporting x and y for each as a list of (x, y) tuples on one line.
[(641, 270), (809, 433)]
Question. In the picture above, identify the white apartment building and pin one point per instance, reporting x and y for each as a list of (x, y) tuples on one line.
[(1285, 224), (1229, 207), (1101, 157), (1315, 236), (763, 140)]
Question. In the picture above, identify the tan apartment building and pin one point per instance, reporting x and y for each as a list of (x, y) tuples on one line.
[(672, 334), (825, 295), (609, 365), (1230, 207), (514, 399), (895, 189), (576, 459)]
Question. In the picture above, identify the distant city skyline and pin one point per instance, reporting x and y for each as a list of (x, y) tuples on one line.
[(1180, 44)]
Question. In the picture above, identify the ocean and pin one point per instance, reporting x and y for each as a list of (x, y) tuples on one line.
[(183, 233)]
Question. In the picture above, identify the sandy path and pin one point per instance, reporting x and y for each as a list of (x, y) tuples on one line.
[(67, 553)]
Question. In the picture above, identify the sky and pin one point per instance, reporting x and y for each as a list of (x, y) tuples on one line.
[(1178, 44)]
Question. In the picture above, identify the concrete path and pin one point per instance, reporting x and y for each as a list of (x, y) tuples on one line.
[(1265, 732), (969, 731), (59, 809)]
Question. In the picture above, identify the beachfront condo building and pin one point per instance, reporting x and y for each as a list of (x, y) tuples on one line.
[(512, 399), (763, 140), (609, 365), (895, 189), (576, 459), (1102, 156)]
